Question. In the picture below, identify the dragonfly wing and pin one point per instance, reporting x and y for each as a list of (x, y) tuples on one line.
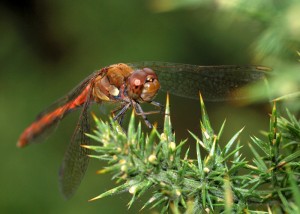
[(48, 120), (76, 158), (73, 94), (216, 83)]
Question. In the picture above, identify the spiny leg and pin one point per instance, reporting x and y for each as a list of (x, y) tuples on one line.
[(139, 111), (115, 110), (159, 105), (120, 115)]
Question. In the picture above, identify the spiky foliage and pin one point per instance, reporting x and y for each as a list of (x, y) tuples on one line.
[(218, 180)]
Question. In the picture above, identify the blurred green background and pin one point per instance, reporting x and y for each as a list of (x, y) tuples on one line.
[(48, 47)]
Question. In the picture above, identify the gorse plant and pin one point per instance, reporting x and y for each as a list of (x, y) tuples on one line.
[(219, 180)]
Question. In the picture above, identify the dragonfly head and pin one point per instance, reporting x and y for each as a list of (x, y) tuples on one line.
[(143, 85)]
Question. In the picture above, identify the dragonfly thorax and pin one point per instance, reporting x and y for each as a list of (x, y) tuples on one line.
[(143, 85), (108, 85)]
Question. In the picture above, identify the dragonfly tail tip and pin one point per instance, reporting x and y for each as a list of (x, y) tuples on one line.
[(20, 144)]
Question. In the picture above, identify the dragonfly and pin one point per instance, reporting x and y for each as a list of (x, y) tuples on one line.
[(129, 85)]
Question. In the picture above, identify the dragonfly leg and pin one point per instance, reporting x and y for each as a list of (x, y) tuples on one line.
[(139, 111), (159, 105), (116, 110), (120, 120), (122, 110)]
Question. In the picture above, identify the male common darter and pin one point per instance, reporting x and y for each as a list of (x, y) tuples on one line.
[(129, 85)]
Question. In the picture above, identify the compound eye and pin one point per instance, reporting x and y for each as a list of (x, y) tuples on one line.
[(149, 79)]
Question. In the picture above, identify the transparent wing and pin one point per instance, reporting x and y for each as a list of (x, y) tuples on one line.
[(75, 92), (216, 83), (48, 120), (76, 161)]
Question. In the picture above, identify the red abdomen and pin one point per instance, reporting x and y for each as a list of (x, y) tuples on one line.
[(50, 118)]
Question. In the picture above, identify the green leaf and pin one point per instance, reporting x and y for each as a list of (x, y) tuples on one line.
[(167, 120), (231, 141), (221, 129), (295, 188), (258, 160), (291, 157), (199, 160), (113, 191)]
